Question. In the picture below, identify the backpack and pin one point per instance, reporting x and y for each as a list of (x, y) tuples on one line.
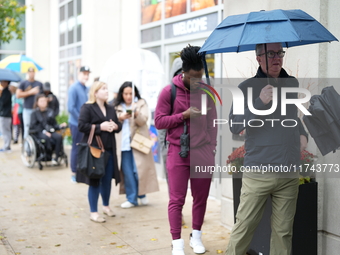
[(173, 95)]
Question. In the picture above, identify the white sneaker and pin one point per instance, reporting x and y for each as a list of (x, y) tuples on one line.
[(178, 247), (144, 200), (196, 242), (126, 205), (54, 162)]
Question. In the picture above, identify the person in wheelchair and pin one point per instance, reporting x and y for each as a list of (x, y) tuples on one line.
[(43, 126)]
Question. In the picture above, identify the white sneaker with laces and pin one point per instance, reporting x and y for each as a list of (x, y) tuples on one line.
[(144, 200), (178, 247), (126, 205), (196, 242)]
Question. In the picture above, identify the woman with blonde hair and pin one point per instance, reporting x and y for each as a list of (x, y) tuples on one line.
[(98, 112)]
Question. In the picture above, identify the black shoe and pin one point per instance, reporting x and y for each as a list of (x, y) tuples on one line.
[(15, 142)]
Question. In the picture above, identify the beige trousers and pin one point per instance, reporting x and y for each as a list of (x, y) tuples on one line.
[(254, 193)]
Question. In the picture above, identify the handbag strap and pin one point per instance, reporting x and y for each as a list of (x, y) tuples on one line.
[(100, 143), (89, 141), (99, 140)]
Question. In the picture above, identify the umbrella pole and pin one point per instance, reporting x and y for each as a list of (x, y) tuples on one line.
[(265, 53), (205, 67)]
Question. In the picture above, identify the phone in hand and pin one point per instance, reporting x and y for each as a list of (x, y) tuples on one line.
[(129, 111)]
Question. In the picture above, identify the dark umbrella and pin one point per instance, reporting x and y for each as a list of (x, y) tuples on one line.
[(8, 75), (242, 32)]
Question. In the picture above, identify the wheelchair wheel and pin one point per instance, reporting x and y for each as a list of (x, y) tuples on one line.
[(29, 152), (62, 159)]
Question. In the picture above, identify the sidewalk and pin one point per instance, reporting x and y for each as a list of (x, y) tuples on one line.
[(42, 212)]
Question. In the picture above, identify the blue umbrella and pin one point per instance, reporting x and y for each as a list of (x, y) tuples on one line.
[(242, 32), (8, 75), (238, 33)]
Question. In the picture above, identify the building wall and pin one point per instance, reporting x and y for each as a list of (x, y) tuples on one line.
[(108, 26), (38, 36), (310, 61)]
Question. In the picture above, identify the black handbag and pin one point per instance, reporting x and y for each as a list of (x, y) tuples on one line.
[(91, 160)]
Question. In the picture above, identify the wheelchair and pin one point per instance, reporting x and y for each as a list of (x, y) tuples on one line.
[(34, 150)]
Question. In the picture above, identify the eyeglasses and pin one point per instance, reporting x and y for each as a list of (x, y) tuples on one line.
[(271, 54)]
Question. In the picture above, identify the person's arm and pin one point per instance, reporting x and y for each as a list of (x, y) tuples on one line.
[(163, 117), (21, 93), (35, 125), (115, 120), (238, 123), (85, 122), (24, 94), (71, 103), (142, 114)]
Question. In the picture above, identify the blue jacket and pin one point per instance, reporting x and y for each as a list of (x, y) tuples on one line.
[(77, 96)]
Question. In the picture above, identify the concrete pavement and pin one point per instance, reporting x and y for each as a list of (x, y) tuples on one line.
[(42, 212)]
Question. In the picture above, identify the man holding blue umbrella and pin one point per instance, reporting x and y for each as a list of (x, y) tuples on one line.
[(273, 145), (27, 90)]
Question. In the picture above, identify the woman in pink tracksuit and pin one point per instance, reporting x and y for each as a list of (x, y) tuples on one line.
[(186, 108)]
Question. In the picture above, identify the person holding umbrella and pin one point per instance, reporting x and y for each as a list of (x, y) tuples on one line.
[(269, 144), (28, 89)]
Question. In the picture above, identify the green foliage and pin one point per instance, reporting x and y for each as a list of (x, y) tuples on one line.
[(11, 14), (304, 179), (62, 117)]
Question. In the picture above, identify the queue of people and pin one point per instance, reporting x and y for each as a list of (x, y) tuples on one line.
[(191, 139)]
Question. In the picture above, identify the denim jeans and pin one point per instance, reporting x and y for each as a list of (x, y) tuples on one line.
[(76, 138), (104, 187), (5, 125), (26, 117), (130, 177)]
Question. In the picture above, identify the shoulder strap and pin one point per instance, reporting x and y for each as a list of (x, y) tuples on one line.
[(89, 141), (173, 96)]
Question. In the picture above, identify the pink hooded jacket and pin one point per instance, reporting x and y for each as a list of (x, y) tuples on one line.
[(201, 129)]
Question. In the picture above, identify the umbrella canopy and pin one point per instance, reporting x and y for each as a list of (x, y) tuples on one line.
[(19, 63), (8, 75), (141, 67), (238, 33)]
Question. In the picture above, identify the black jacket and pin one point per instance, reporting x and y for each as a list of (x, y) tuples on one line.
[(265, 145), (43, 121), (324, 123), (6, 103), (53, 104), (91, 114)]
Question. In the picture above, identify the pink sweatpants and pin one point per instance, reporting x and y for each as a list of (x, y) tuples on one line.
[(178, 176)]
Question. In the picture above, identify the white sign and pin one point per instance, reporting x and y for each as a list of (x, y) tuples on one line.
[(190, 26)]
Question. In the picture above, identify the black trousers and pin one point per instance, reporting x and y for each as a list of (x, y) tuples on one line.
[(54, 141)]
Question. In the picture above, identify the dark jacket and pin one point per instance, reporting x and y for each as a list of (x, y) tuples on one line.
[(53, 104), (91, 114), (6, 103), (43, 121), (277, 145), (324, 123)]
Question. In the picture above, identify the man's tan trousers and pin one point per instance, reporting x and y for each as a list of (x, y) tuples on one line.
[(254, 193)]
